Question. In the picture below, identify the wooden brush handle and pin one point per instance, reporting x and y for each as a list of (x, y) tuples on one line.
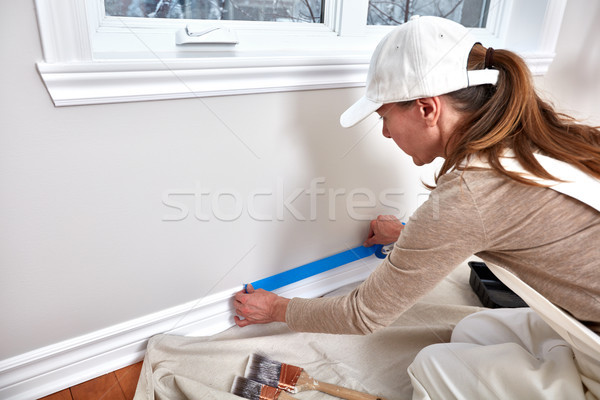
[(343, 393), (285, 396)]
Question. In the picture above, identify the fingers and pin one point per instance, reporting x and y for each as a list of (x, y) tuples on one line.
[(247, 307), (240, 298), (241, 322), (384, 229), (387, 218), (372, 227), (370, 241), (259, 307)]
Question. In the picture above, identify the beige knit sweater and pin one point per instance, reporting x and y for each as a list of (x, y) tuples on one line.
[(549, 240)]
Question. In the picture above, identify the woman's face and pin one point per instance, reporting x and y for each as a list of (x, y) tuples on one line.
[(416, 129)]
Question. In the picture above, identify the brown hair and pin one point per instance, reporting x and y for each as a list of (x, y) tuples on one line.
[(511, 115)]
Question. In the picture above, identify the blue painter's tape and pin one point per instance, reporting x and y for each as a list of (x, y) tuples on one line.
[(314, 268)]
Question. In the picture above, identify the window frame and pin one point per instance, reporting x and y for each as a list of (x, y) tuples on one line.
[(93, 59)]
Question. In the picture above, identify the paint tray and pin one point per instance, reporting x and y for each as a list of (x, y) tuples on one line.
[(491, 291)]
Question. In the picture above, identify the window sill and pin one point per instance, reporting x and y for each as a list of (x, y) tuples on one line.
[(118, 82)]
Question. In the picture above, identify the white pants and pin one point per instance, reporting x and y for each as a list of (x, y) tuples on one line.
[(504, 354)]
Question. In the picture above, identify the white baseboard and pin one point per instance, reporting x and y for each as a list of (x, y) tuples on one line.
[(53, 368)]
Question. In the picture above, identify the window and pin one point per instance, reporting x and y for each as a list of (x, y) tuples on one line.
[(100, 51), (380, 12), (469, 13), (236, 10)]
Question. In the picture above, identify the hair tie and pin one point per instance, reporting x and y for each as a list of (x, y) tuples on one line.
[(489, 58)]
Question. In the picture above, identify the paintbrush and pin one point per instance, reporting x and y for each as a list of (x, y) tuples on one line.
[(252, 390), (294, 379)]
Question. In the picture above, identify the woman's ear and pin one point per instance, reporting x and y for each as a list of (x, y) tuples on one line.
[(429, 110)]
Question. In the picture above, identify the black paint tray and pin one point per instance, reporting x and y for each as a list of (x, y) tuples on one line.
[(491, 291)]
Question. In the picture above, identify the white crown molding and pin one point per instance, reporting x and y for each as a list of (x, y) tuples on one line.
[(50, 369)]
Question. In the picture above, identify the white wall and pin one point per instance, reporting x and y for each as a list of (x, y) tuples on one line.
[(573, 81), (84, 245)]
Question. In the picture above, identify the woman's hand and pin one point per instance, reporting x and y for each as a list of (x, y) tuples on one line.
[(383, 230), (259, 307)]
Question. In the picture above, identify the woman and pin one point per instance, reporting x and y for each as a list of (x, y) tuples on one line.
[(441, 94)]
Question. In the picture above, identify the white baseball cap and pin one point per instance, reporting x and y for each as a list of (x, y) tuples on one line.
[(425, 57)]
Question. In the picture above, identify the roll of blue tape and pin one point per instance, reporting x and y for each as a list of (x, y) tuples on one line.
[(316, 267), (384, 250)]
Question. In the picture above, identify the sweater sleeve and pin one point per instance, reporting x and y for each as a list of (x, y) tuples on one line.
[(440, 235)]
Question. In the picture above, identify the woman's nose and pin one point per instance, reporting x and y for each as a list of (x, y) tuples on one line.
[(385, 132)]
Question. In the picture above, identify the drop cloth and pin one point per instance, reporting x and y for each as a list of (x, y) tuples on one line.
[(177, 367)]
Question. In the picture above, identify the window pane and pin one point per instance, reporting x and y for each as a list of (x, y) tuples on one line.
[(240, 10), (470, 13)]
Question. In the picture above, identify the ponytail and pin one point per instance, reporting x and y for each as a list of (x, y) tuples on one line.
[(510, 115)]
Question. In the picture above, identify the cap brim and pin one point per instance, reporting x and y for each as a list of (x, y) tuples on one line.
[(358, 111)]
